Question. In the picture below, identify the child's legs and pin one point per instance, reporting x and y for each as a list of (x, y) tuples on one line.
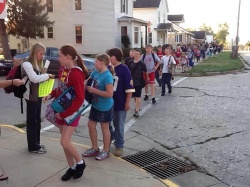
[(137, 97), (146, 89), (119, 121), (163, 86), (70, 151), (151, 83), (106, 136), (93, 133)]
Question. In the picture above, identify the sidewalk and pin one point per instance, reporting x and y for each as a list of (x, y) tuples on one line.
[(25, 169)]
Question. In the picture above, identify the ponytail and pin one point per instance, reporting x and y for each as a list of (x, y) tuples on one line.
[(80, 63)]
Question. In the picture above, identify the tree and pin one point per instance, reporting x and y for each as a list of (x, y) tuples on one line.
[(222, 33), (206, 28), (247, 44), (126, 41), (26, 18)]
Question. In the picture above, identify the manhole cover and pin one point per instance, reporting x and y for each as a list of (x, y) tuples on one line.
[(159, 164)]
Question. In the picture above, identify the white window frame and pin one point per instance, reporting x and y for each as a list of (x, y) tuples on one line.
[(78, 34), (52, 6), (53, 32), (124, 6), (150, 37), (178, 38), (136, 33), (159, 17), (74, 5)]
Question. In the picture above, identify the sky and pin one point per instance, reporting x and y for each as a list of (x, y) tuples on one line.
[(213, 13)]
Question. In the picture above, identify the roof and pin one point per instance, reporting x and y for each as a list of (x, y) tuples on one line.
[(176, 18), (165, 27), (200, 35), (147, 3), (128, 19)]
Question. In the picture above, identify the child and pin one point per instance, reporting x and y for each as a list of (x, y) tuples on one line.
[(152, 62), (31, 70), (72, 74), (167, 63), (137, 69), (184, 62), (122, 97), (102, 106)]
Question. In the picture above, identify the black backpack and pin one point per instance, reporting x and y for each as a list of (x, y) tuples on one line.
[(88, 95), (15, 73)]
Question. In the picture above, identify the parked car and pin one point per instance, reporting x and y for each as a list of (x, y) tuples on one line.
[(52, 54), (5, 66)]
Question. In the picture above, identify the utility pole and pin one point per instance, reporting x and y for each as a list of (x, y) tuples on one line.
[(235, 48), (238, 22)]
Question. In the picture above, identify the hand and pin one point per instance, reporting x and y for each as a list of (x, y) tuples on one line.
[(51, 76), (57, 115), (127, 107), (46, 98), (90, 89), (18, 82)]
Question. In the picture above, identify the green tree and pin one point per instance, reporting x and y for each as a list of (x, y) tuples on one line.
[(222, 33), (247, 44), (26, 18), (206, 28), (125, 40)]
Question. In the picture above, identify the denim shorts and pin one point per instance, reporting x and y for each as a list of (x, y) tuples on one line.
[(101, 116)]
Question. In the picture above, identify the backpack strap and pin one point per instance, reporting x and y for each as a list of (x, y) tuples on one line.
[(143, 57)]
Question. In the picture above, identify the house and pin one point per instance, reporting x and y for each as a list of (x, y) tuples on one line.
[(91, 27), (180, 35), (199, 37), (155, 13)]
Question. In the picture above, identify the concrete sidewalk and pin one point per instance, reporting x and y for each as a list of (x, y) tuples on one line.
[(26, 169)]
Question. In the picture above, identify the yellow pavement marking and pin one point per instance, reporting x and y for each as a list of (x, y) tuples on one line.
[(12, 127), (169, 183)]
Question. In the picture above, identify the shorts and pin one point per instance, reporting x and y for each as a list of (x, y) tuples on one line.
[(137, 92), (101, 116), (75, 123), (151, 77)]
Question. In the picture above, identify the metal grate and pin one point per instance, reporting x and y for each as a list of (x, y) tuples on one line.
[(159, 164)]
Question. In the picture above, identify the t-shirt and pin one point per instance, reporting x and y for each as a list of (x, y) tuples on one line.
[(165, 61), (149, 61), (137, 73), (100, 81), (124, 86)]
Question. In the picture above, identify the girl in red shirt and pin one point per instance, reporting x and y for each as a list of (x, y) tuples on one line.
[(71, 74), (178, 56)]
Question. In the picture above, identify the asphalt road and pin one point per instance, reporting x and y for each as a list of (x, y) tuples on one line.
[(205, 120)]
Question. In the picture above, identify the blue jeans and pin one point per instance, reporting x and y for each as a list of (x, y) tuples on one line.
[(119, 122), (157, 77), (166, 79)]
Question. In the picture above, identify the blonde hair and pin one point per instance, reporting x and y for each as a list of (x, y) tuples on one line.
[(32, 58), (103, 58)]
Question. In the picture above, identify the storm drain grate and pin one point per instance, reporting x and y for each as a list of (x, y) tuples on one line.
[(159, 164)]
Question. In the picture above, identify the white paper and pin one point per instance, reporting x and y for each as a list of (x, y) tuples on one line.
[(46, 65)]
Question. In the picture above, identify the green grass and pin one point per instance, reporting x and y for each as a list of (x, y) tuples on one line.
[(221, 62), (20, 125)]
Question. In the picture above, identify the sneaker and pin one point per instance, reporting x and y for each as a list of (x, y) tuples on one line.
[(103, 155), (153, 100), (170, 91), (91, 152), (40, 151), (118, 152), (42, 146), (69, 173), (79, 170), (136, 114), (162, 94), (146, 98)]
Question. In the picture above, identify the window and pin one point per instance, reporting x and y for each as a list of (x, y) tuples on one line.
[(49, 4), (50, 32), (150, 38), (124, 6), (136, 35), (124, 30), (178, 38), (78, 30), (159, 17), (78, 4)]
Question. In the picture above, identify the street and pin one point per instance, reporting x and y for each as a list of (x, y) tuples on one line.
[(205, 120)]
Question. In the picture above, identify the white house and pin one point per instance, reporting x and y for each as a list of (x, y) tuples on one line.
[(91, 27), (155, 12)]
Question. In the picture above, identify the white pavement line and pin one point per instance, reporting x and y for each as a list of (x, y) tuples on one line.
[(47, 128), (177, 82)]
